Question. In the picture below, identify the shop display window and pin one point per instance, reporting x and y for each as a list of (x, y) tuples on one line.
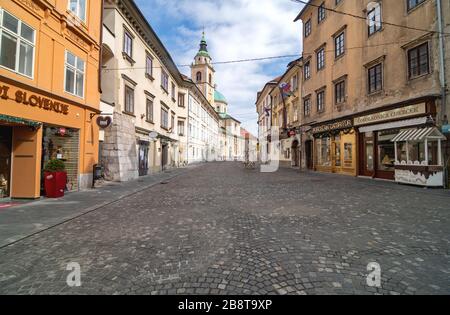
[(414, 153), (324, 152), (433, 153), (386, 151), (62, 144), (337, 151), (401, 152), (5, 160), (348, 154)]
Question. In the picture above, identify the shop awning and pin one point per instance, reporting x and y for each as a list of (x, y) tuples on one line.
[(19, 121), (419, 134)]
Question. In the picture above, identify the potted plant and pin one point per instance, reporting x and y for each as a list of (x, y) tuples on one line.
[(55, 178)]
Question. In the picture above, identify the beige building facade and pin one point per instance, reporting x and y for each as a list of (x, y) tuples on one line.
[(286, 115), (365, 80), (145, 95), (264, 111)]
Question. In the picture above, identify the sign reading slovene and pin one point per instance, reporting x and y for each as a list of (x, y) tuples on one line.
[(33, 100), (403, 112)]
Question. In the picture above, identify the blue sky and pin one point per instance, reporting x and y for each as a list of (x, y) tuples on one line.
[(235, 29)]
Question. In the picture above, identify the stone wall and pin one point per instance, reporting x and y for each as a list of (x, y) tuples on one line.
[(120, 157)]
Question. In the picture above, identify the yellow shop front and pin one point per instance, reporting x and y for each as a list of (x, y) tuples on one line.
[(335, 147), (49, 92), (34, 128)]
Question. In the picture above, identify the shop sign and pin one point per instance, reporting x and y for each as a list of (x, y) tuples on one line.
[(153, 135), (344, 124), (33, 100), (403, 112), (104, 122), (446, 129)]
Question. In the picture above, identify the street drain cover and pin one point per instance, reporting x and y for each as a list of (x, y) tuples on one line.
[(164, 183)]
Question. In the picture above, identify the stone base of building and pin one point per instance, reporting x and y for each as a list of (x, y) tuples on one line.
[(86, 181), (119, 155)]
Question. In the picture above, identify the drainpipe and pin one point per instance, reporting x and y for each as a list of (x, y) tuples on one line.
[(442, 77), (442, 69)]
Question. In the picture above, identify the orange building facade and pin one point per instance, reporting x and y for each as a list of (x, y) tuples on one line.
[(49, 92)]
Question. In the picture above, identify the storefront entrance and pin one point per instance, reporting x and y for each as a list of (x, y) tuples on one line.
[(5, 161), (143, 158), (367, 155), (377, 154), (309, 154), (336, 154), (62, 144), (164, 156), (377, 130), (295, 154)]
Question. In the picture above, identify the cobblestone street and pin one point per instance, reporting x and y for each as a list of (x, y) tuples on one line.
[(244, 232)]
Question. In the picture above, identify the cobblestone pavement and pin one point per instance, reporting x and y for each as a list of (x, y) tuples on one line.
[(220, 229)]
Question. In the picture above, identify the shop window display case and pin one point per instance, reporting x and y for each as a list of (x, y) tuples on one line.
[(62, 144), (418, 157)]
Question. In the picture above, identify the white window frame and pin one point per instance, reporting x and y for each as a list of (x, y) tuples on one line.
[(19, 39), (77, 13), (75, 69)]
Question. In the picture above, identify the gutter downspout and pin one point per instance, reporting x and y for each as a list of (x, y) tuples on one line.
[(442, 69), (101, 48), (442, 77)]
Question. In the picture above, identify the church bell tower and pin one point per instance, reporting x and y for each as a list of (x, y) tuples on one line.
[(202, 71)]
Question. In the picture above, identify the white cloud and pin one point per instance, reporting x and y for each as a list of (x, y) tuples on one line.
[(235, 29)]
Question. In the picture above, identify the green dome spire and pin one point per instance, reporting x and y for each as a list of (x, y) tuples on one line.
[(203, 47)]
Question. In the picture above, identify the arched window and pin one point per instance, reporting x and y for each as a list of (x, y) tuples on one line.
[(210, 78), (199, 77)]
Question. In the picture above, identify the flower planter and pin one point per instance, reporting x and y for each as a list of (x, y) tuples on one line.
[(55, 184)]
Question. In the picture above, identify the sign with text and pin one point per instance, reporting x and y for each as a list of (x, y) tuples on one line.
[(104, 122), (408, 111), (33, 100), (343, 124)]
